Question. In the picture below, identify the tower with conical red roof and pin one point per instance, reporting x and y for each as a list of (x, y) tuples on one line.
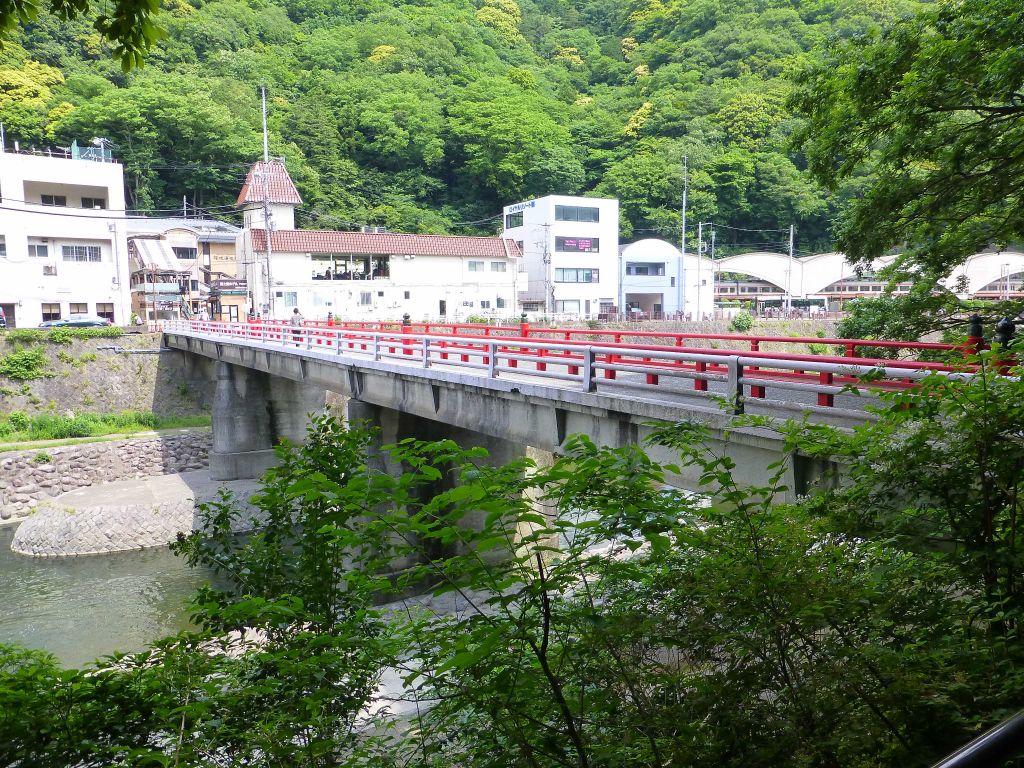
[(268, 190)]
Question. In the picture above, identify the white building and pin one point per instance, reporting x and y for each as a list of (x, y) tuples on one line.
[(570, 251), (651, 286), (62, 237), (366, 275)]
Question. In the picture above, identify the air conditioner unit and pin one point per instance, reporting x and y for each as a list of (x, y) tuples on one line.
[(49, 269)]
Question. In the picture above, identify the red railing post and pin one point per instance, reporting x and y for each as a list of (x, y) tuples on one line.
[(1005, 329), (406, 330), (975, 337), (701, 385), (826, 399)]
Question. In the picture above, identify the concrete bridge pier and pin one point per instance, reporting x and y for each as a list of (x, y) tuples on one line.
[(395, 425), (252, 412)]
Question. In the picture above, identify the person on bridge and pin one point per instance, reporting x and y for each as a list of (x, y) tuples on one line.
[(295, 321)]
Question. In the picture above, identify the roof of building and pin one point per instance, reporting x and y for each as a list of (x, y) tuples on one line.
[(272, 176), (383, 243), (156, 254), (207, 230)]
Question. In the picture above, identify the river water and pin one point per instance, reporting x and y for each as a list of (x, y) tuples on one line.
[(80, 608)]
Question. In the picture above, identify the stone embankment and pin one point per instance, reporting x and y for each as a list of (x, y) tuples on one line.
[(29, 477), (129, 514)]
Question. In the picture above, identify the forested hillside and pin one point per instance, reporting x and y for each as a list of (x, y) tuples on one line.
[(428, 115)]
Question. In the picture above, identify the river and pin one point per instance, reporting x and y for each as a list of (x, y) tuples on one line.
[(80, 608)]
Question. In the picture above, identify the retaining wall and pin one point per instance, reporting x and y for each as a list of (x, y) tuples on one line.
[(29, 477)]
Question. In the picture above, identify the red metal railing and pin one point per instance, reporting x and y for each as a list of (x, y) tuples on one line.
[(746, 373), (618, 335)]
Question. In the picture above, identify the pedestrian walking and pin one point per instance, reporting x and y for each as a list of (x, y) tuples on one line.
[(296, 321)]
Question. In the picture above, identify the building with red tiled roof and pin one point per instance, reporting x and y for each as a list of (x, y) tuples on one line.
[(365, 275), (268, 182), (384, 243)]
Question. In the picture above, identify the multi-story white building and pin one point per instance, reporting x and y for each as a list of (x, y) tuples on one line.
[(63, 248), (365, 275), (570, 251)]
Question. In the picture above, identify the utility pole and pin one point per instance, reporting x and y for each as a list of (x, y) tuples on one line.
[(714, 268), (700, 256), (549, 287), (682, 236), (268, 230), (789, 279)]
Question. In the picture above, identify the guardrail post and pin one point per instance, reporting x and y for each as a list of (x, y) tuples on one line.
[(589, 383), (975, 336), (406, 329), (734, 384), (701, 385), (524, 327), (376, 347), (1005, 329), (540, 365), (652, 378), (609, 373), (826, 399), (492, 360), (426, 353)]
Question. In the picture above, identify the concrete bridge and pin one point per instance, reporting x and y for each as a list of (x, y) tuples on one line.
[(515, 394)]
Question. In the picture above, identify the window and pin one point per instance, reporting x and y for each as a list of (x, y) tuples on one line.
[(645, 268), (476, 266), (105, 311), (53, 200), (576, 244), (408, 294), (38, 251), (380, 294), (672, 282), (580, 275), (94, 202), (467, 304), (576, 213), (288, 298), (569, 306), (185, 253), (51, 311), (497, 266), (365, 298), (520, 244), (513, 220), (206, 249), (485, 304), (3, 246), (78, 309), (500, 303), (82, 253)]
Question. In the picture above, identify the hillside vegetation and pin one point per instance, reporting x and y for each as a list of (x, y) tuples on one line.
[(429, 115)]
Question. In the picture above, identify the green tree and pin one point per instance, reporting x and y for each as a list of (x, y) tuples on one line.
[(128, 24), (932, 107)]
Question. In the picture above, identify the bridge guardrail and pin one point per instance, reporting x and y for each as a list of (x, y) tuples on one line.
[(745, 374), (850, 347)]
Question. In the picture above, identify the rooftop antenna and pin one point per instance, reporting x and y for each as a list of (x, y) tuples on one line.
[(266, 143)]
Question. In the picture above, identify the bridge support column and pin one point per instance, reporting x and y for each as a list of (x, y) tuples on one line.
[(252, 412)]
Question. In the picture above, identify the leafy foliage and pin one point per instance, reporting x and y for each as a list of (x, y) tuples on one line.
[(600, 620), (428, 116), (931, 108), (25, 364)]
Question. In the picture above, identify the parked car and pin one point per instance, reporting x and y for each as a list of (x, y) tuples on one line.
[(77, 321)]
